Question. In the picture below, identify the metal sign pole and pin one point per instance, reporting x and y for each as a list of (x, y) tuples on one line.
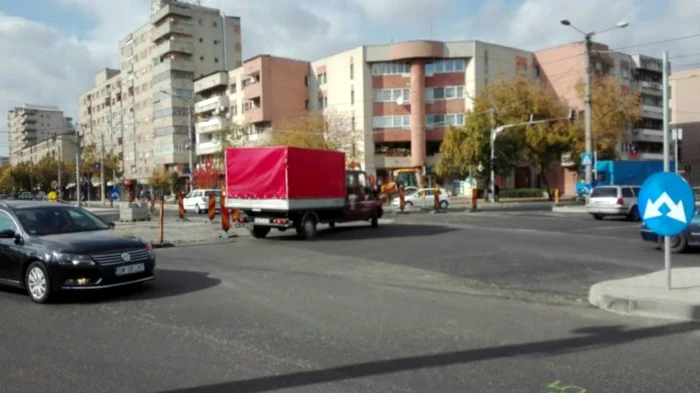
[(667, 239)]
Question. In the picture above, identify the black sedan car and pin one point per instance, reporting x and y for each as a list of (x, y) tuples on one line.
[(47, 247), (690, 237)]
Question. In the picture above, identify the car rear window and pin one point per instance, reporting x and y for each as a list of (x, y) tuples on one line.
[(604, 192), (207, 193)]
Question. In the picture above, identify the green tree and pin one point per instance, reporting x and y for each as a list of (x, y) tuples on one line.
[(6, 180), (45, 172), (174, 182), (22, 177), (614, 109), (89, 156), (508, 102)]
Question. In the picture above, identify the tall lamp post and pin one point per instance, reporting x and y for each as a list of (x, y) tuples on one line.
[(190, 135), (587, 88)]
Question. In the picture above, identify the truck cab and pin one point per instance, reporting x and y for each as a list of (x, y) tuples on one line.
[(362, 199)]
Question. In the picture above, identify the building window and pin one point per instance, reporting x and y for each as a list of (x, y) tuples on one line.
[(443, 120), (201, 40), (306, 80), (322, 78), (390, 69), (306, 104), (391, 95), (216, 60), (216, 42), (352, 97), (391, 121), (445, 66), (352, 71), (444, 93), (214, 24), (323, 102)]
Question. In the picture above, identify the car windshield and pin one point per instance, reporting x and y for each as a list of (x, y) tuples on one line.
[(604, 192), (54, 220)]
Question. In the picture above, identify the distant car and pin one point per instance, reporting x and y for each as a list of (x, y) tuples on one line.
[(423, 198), (198, 200), (689, 238), (48, 247), (618, 201)]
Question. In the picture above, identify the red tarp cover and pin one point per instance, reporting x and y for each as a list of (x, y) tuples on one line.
[(284, 173)]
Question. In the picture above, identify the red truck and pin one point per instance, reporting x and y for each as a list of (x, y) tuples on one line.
[(290, 187)]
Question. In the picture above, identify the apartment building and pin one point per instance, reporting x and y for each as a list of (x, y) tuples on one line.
[(152, 96), (4, 161), (32, 124), (562, 67), (261, 94), (61, 147), (685, 115), (100, 112), (390, 104)]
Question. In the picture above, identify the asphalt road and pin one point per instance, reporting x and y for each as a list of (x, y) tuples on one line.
[(403, 312)]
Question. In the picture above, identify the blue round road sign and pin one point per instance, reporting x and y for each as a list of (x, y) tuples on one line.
[(666, 203)]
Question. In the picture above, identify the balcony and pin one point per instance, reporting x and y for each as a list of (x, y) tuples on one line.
[(647, 135), (212, 124), (174, 45), (172, 26), (253, 90), (209, 147), (171, 9), (210, 104), (173, 64), (254, 115), (388, 161), (219, 79), (654, 112)]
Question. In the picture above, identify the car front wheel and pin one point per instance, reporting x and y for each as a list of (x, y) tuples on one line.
[(679, 243), (37, 283)]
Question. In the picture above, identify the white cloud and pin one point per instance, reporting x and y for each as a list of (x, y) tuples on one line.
[(43, 65), (534, 24)]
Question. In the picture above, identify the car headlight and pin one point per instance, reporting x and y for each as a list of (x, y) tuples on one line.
[(149, 247), (66, 259)]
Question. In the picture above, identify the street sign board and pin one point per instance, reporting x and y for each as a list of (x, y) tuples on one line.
[(586, 159), (666, 203)]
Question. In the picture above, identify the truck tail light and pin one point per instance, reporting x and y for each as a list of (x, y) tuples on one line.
[(281, 221), (620, 202)]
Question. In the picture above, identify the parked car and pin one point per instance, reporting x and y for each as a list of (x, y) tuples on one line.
[(198, 200), (620, 201), (48, 247), (689, 238), (423, 198)]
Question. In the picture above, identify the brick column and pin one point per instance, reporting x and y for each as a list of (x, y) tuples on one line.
[(417, 113)]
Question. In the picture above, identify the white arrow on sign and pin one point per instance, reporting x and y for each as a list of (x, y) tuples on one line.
[(676, 210)]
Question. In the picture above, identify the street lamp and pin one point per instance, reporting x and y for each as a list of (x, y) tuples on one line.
[(587, 91), (190, 132)]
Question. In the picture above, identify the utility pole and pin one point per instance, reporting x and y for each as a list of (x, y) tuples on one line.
[(667, 239), (588, 116), (191, 138), (102, 167), (78, 178), (492, 177), (60, 158)]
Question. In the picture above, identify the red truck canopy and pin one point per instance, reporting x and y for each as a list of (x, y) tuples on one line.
[(284, 172)]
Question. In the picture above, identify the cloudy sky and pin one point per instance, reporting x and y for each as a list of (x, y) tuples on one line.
[(51, 49)]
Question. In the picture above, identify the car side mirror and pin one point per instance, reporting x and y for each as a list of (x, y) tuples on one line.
[(7, 234)]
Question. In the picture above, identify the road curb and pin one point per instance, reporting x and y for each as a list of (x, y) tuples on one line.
[(570, 209), (646, 296)]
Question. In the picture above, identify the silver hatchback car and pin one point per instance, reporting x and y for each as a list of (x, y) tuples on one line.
[(614, 201)]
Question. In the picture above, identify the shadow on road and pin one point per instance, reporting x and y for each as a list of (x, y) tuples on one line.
[(168, 283), (358, 232), (593, 337)]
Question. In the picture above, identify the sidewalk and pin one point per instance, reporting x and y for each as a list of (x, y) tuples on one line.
[(647, 295), (179, 232)]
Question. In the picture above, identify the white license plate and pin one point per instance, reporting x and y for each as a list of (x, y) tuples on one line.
[(129, 269), (261, 220)]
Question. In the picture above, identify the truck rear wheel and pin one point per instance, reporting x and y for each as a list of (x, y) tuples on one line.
[(374, 221), (259, 232), (307, 230)]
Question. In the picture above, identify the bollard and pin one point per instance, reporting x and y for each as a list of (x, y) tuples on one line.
[(556, 196), (402, 200), (211, 211), (153, 205), (436, 198), (111, 202), (161, 221), (475, 195), (180, 206), (225, 218)]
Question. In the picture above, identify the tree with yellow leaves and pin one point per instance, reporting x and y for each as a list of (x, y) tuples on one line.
[(614, 110), (328, 131), (508, 102)]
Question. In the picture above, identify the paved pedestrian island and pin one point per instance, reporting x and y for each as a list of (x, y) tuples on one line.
[(647, 295)]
